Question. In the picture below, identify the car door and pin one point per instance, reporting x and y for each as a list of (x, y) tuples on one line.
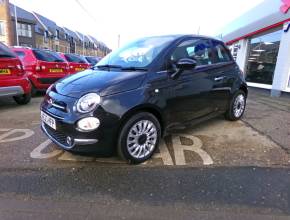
[(191, 90), (222, 75)]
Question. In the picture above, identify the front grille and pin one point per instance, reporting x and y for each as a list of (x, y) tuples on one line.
[(57, 135), (57, 104), (48, 80)]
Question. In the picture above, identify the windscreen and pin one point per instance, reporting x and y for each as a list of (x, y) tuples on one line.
[(57, 57), (5, 52), (140, 53), (74, 58), (44, 56), (92, 60)]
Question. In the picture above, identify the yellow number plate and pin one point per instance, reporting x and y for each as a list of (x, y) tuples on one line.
[(79, 69), (55, 70), (5, 71)]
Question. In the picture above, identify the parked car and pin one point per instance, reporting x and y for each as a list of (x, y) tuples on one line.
[(92, 60), (139, 93), (76, 62), (13, 80), (43, 67)]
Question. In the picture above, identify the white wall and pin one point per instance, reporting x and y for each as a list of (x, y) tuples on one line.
[(263, 15), (282, 71), (242, 55)]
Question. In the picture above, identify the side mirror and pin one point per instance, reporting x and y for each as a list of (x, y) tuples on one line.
[(186, 64), (181, 65)]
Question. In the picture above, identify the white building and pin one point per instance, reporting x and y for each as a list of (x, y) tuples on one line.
[(260, 42)]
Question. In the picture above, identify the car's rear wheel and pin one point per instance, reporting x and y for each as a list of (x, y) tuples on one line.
[(139, 138), (22, 99), (237, 106), (33, 90)]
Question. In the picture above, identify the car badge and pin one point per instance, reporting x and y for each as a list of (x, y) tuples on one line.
[(50, 102)]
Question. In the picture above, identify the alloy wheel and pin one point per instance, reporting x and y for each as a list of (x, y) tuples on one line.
[(142, 138)]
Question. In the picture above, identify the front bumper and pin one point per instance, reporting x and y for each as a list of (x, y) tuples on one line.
[(67, 136), (11, 91), (64, 141)]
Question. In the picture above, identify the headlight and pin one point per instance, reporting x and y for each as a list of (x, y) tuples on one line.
[(88, 124), (88, 102), (49, 88)]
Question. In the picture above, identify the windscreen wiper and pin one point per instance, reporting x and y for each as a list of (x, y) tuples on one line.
[(133, 68), (107, 66)]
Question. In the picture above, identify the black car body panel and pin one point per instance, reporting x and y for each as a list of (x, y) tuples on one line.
[(197, 94), (99, 81)]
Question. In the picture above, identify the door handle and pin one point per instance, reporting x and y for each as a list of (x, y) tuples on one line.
[(219, 78)]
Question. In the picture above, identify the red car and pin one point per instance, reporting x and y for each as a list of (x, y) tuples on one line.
[(13, 80), (43, 67), (76, 63)]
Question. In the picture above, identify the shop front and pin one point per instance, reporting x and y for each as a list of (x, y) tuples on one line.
[(260, 42)]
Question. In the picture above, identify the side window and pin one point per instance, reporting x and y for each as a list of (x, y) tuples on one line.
[(197, 49), (221, 52)]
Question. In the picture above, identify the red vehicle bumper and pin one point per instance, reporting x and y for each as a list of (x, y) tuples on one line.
[(42, 81), (15, 86)]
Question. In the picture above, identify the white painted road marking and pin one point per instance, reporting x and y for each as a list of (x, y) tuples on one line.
[(71, 157), (196, 147), (163, 154), (26, 133), (36, 153)]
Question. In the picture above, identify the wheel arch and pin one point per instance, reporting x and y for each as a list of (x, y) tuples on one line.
[(244, 89), (143, 108)]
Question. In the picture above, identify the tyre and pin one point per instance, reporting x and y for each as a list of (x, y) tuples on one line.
[(33, 90), (22, 99), (237, 106), (139, 138)]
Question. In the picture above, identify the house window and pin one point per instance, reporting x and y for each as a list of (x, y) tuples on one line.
[(56, 34), (45, 36), (2, 28), (24, 30)]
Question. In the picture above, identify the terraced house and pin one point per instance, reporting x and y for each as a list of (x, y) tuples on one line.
[(25, 26), (19, 27), (49, 35)]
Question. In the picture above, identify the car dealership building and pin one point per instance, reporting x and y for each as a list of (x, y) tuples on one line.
[(260, 42)]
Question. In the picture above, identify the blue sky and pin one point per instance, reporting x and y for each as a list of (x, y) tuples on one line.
[(133, 19)]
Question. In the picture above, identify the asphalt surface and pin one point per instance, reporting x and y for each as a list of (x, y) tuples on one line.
[(216, 170)]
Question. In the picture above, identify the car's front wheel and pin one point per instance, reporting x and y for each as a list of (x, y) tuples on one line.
[(237, 106), (139, 138), (22, 99)]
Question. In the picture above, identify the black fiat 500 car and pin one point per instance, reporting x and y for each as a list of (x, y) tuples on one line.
[(138, 93)]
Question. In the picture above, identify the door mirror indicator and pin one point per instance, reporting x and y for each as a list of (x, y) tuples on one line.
[(181, 65)]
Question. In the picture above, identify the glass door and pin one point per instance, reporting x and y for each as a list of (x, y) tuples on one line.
[(262, 58)]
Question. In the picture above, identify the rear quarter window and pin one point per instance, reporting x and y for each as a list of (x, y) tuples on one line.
[(20, 54), (222, 54)]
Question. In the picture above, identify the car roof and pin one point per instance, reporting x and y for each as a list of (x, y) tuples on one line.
[(181, 36)]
